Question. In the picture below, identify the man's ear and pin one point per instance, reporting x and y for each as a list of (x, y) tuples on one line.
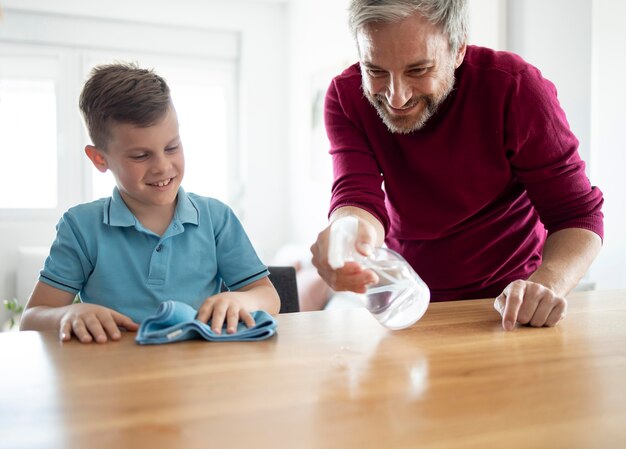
[(460, 54), (97, 158)]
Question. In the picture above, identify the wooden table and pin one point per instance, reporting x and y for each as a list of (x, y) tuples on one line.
[(333, 379)]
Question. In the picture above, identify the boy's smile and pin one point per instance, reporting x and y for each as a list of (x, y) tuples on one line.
[(147, 162)]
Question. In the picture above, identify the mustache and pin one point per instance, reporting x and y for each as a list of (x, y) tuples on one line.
[(381, 100)]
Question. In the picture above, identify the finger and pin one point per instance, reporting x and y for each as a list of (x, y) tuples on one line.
[(217, 319), (499, 302), (541, 313), (364, 242), (125, 322), (205, 311), (353, 277), (232, 319), (79, 329), (514, 294), (534, 296), (65, 333), (110, 327), (557, 314), (95, 328), (247, 318)]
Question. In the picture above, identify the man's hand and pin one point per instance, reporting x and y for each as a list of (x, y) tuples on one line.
[(351, 276), (528, 302), (89, 322)]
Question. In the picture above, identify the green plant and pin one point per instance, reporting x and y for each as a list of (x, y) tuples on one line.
[(15, 310)]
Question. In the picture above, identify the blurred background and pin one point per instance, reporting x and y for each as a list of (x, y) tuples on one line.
[(248, 79)]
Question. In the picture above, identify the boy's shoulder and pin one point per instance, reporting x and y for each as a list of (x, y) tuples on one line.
[(88, 212), (207, 203)]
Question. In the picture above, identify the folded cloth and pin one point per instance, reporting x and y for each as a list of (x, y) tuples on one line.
[(176, 321)]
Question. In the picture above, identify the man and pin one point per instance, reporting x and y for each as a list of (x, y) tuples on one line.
[(459, 158)]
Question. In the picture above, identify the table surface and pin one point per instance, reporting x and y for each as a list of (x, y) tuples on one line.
[(332, 379)]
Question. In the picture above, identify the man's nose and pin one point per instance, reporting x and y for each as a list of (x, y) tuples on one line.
[(398, 92)]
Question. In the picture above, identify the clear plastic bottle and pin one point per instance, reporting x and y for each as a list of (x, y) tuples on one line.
[(400, 298)]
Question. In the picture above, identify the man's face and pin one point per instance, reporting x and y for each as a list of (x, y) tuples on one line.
[(407, 70), (148, 163)]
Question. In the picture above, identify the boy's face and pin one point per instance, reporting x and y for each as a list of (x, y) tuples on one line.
[(148, 163)]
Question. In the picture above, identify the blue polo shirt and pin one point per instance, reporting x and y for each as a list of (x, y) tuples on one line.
[(104, 254)]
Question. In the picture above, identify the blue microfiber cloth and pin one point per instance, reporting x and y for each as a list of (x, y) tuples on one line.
[(176, 321)]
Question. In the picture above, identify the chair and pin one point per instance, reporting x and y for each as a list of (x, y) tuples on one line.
[(284, 280)]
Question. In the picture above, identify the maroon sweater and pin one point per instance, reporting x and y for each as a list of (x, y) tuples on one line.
[(469, 198)]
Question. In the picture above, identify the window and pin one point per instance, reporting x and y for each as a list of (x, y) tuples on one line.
[(42, 70), (31, 159)]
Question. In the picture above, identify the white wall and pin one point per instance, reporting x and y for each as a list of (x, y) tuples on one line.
[(555, 36), (320, 48), (608, 153)]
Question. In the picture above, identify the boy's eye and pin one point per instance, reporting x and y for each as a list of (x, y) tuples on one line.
[(171, 149), (138, 157)]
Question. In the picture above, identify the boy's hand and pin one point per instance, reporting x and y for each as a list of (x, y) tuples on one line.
[(224, 307), (89, 322)]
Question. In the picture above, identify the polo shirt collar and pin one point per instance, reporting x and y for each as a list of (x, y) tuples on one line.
[(116, 213), (186, 211)]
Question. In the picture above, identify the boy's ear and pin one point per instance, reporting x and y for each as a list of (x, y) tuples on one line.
[(96, 157)]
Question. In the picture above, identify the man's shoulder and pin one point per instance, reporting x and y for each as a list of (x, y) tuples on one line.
[(486, 59), (352, 72), (349, 79)]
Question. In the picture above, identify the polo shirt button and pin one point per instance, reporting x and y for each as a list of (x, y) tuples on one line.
[(158, 248)]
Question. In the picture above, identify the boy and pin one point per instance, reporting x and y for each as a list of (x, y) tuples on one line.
[(151, 241)]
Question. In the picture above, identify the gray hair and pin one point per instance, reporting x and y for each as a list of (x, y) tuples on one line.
[(450, 15)]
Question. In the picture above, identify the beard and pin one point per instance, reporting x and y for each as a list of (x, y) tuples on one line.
[(405, 124)]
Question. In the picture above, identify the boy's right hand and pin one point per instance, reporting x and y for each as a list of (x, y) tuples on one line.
[(89, 322)]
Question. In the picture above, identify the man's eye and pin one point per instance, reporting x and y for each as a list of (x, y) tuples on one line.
[(418, 71), (375, 73)]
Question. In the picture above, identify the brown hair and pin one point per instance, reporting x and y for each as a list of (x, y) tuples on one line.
[(122, 93)]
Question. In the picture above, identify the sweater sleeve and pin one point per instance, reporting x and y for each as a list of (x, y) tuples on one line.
[(544, 156), (357, 178)]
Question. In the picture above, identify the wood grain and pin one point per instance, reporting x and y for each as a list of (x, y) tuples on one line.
[(333, 379)]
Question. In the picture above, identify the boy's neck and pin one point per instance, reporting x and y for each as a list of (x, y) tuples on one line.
[(155, 218)]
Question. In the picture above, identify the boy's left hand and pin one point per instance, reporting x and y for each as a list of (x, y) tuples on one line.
[(224, 307)]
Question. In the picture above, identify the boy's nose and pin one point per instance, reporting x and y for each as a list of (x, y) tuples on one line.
[(160, 164)]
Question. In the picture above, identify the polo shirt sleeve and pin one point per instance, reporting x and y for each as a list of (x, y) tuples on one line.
[(68, 265), (237, 262), (357, 177), (543, 153)]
